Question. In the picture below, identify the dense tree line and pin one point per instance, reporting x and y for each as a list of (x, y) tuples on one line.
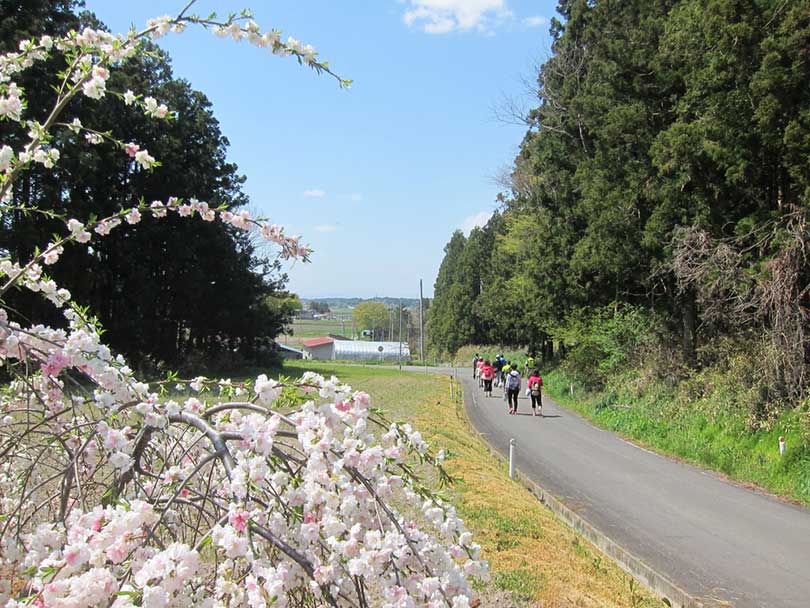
[(666, 168), (165, 290), (319, 307)]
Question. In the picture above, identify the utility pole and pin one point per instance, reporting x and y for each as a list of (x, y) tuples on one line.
[(400, 333), (408, 334), (421, 327)]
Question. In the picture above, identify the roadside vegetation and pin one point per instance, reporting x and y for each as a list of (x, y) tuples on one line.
[(536, 560), (709, 428)]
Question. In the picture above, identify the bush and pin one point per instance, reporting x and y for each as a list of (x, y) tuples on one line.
[(602, 341)]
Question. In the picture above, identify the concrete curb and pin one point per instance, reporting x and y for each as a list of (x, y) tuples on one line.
[(657, 583)]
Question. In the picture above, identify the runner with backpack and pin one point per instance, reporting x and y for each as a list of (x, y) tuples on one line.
[(512, 390), (487, 374), (536, 392)]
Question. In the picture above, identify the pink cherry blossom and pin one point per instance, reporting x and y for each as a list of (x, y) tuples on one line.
[(295, 500), (238, 519)]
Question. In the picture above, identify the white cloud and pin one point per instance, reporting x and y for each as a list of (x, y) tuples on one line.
[(479, 219), (535, 21), (443, 16), (314, 193), (325, 228)]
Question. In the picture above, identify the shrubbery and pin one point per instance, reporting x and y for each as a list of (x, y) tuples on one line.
[(602, 341)]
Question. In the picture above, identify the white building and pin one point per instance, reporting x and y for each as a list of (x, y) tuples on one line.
[(319, 348)]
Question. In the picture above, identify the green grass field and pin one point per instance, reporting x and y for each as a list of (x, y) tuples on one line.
[(306, 328), (536, 560)]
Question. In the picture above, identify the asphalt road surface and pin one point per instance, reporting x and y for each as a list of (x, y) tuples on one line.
[(721, 543)]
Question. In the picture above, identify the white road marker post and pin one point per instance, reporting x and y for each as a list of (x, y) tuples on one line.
[(511, 458), (782, 446)]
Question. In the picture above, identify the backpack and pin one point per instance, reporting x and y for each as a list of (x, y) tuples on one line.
[(512, 382), (536, 387)]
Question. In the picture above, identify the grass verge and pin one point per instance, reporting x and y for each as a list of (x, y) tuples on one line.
[(710, 431), (536, 560)]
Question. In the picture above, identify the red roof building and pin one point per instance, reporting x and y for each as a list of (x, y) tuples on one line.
[(313, 342), (319, 348)]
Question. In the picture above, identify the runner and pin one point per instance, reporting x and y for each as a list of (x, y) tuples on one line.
[(536, 392), (528, 365), (513, 390), (487, 373), (504, 376), (498, 366)]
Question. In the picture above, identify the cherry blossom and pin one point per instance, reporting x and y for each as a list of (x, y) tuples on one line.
[(120, 492)]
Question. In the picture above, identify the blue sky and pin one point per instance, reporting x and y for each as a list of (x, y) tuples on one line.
[(375, 178)]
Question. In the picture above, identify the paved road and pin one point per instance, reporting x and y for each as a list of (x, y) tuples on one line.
[(717, 541)]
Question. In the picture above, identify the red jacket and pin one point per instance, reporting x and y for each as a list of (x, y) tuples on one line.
[(487, 372)]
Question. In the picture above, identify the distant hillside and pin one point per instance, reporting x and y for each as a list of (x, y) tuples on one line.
[(338, 303)]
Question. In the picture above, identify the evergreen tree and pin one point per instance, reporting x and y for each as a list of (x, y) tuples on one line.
[(450, 323), (665, 167), (163, 289)]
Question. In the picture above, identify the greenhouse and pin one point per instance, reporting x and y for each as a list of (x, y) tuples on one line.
[(355, 350), (358, 350)]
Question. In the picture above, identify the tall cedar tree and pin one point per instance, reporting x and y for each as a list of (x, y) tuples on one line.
[(164, 289), (653, 116)]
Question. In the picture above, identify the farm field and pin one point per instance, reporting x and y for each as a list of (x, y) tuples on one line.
[(311, 328), (536, 560)]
